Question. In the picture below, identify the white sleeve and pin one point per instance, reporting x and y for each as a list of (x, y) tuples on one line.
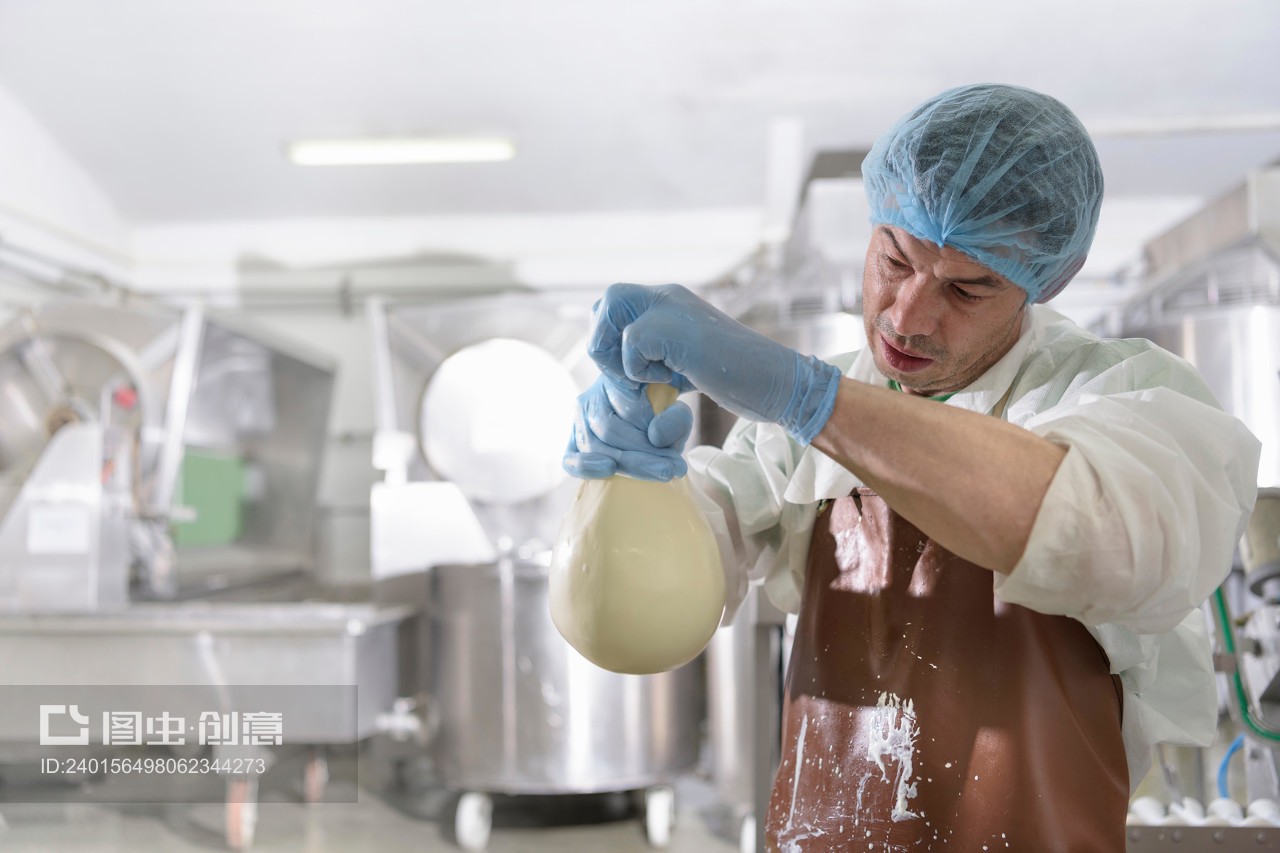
[(1140, 521), (740, 491)]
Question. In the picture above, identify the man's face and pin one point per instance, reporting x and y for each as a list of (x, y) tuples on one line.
[(935, 318)]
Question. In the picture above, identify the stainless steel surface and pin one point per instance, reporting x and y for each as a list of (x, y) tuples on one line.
[(520, 711), (91, 346), (730, 660), (64, 532), (211, 645), (1248, 211), (1260, 661), (1260, 546), (385, 418), (1237, 350), (1225, 254), (1201, 839), (256, 398), (49, 379), (770, 665), (182, 380), (745, 665), (1262, 776)]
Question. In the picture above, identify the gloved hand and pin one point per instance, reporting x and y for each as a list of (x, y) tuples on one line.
[(667, 334), (616, 432)]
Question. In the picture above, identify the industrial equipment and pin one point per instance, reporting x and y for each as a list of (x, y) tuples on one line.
[(475, 402), (154, 453), (1214, 298), (158, 471)]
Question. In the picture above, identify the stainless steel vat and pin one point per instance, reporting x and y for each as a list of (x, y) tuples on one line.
[(520, 712), (731, 674)]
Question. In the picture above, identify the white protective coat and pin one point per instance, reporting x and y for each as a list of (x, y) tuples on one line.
[(1137, 528)]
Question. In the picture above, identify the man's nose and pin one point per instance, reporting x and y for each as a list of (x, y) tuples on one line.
[(915, 308)]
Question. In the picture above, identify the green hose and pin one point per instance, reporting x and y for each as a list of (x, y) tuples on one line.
[(1253, 727)]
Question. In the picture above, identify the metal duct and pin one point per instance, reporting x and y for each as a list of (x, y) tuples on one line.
[(1214, 298), (1227, 253), (1248, 212)]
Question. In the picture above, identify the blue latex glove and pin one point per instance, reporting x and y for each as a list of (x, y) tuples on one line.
[(616, 432), (667, 334)]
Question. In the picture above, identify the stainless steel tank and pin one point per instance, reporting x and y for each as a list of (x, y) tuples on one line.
[(520, 712)]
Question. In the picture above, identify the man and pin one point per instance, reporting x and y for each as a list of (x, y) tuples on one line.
[(997, 528)]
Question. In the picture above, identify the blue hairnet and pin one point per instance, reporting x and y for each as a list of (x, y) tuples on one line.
[(1005, 175)]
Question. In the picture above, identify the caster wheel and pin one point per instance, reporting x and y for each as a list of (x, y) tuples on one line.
[(241, 813), (315, 777), (659, 815), (472, 820)]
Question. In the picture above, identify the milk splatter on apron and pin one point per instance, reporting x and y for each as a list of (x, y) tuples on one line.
[(922, 713)]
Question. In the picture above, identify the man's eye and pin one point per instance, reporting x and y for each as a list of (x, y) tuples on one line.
[(895, 263), (966, 295)]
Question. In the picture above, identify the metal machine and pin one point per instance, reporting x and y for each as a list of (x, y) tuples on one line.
[(475, 399), (158, 471), (1214, 299), (155, 453)]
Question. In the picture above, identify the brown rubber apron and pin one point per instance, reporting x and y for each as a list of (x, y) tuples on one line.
[(922, 713)]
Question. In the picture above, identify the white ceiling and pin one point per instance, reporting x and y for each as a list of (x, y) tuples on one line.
[(180, 109)]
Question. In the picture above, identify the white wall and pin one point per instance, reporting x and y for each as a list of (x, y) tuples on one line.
[(50, 204)]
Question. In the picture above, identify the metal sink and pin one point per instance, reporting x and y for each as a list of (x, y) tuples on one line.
[(216, 646)]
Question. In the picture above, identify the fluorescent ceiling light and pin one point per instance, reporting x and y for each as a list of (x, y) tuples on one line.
[(399, 150)]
